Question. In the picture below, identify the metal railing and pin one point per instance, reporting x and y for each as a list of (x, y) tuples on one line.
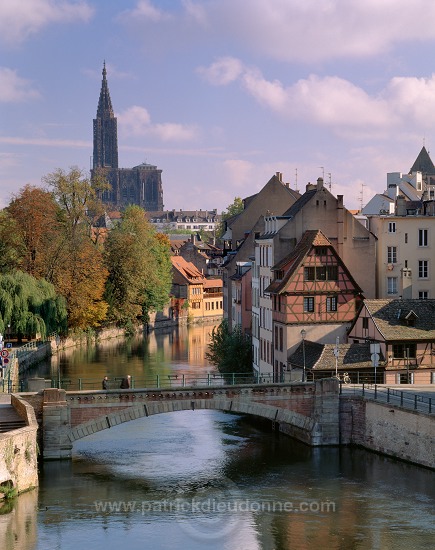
[(393, 396), (162, 381)]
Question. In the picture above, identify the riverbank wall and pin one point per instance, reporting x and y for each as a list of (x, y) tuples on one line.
[(19, 451), (393, 431)]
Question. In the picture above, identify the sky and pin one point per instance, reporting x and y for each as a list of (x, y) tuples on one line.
[(220, 94)]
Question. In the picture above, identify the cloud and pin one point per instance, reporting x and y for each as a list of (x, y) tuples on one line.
[(136, 121), (238, 172), (222, 72), (335, 102), (294, 31), (45, 142), (291, 30), (14, 89), (20, 19), (146, 10)]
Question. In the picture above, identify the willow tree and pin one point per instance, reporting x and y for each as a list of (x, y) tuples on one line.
[(30, 306), (140, 271)]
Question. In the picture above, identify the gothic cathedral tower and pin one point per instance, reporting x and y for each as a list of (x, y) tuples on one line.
[(141, 185), (105, 130)]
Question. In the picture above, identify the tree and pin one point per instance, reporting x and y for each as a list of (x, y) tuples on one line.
[(81, 277), (37, 230), (12, 248), (140, 270), (77, 195), (30, 306), (230, 351), (233, 209)]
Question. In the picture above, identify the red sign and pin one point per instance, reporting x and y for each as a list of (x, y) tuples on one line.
[(4, 353), (5, 361)]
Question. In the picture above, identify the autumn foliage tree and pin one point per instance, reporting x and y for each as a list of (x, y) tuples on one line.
[(140, 272), (36, 230)]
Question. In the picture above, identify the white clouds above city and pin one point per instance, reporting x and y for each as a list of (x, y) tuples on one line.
[(220, 97)]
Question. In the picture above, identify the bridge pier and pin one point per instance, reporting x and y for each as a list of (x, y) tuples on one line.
[(56, 425)]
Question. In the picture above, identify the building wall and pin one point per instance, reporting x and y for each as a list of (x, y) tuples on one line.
[(353, 242), (402, 232)]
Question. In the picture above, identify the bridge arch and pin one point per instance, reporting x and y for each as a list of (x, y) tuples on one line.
[(300, 424), (307, 411)]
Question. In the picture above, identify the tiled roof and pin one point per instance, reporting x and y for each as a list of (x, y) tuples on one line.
[(187, 269), (321, 356), (299, 204), (390, 318), (423, 163)]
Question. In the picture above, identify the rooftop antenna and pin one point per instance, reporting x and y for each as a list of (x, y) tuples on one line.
[(323, 171), (330, 183), (361, 196), (296, 179)]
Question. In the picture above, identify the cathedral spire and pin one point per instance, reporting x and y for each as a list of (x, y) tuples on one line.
[(105, 109), (105, 129)]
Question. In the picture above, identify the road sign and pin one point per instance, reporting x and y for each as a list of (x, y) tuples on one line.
[(5, 360), (375, 359), (4, 353), (375, 348)]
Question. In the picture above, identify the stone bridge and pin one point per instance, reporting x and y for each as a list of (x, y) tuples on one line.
[(307, 411)]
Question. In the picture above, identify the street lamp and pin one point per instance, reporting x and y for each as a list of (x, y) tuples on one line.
[(303, 334)]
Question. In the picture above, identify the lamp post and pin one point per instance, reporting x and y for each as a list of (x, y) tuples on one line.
[(303, 334)]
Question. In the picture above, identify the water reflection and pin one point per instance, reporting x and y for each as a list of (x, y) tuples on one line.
[(378, 503), (18, 522), (178, 350), (210, 456)]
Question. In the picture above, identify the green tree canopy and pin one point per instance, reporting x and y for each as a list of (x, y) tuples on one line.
[(140, 271), (232, 210), (30, 306), (230, 351)]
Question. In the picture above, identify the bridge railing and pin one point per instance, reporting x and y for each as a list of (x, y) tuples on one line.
[(163, 381), (393, 396)]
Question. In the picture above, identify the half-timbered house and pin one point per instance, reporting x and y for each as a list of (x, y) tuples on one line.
[(312, 291)]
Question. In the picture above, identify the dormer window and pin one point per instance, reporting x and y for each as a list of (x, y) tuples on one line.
[(279, 274)]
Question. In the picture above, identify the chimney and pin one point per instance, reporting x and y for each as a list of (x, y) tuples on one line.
[(279, 176), (401, 206), (340, 224), (310, 187), (319, 184)]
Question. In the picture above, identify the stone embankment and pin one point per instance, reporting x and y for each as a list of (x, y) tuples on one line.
[(18, 446)]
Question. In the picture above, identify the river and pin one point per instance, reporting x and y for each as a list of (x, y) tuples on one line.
[(206, 480)]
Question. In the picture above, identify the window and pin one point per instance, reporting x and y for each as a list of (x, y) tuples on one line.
[(391, 227), (406, 238), (365, 323), (331, 303), (402, 351), (281, 339), (422, 237), (309, 304), (309, 273), (321, 250), (423, 295), (321, 273), (391, 254), (423, 269), (392, 285), (279, 274), (332, 273)]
